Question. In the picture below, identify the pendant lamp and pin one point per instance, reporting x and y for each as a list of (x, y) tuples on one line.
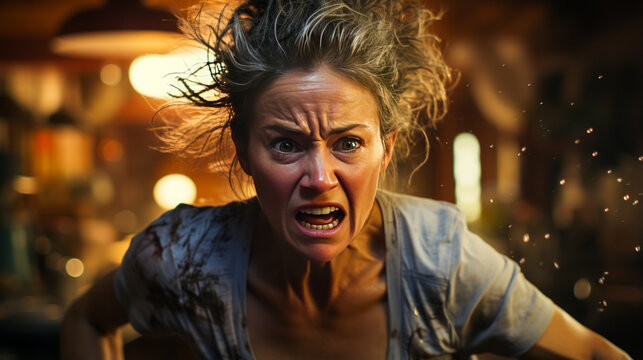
[(119, 29)]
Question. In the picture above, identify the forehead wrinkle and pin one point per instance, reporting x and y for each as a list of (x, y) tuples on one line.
[(314, 120), (301, 121), (316, 104), (324, 124)]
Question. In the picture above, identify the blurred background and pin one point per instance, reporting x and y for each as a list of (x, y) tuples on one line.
[(542, 149)]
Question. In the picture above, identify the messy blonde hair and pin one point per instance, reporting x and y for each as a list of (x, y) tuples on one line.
[(384, 45)]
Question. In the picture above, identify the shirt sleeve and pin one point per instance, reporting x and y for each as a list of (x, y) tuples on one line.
[(492, 306), (144, 284)]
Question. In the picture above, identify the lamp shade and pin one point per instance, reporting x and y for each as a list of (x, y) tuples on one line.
[(121, 28)]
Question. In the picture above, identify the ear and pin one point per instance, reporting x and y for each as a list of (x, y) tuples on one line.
[(242, 155), (389, 144)]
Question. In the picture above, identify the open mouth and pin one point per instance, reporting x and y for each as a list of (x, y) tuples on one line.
[(320, 218)]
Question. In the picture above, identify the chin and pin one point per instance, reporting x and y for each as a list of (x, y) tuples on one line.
[(321, 253)]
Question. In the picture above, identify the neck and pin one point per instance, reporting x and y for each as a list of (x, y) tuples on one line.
[(316, 287)]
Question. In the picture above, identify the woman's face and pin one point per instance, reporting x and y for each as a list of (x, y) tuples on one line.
[(315, 153)]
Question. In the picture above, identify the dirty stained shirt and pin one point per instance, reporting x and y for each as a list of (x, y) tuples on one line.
[(449, 294)]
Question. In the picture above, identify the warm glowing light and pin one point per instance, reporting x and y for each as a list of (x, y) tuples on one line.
[(39, 89), (174, 189), (111, 74), (466, 168), (25, 185), (156, 75), (74, 267), (111, 150), (114, 44)]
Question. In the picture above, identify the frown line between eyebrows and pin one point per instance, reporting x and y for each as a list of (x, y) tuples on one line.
[(296, 131)]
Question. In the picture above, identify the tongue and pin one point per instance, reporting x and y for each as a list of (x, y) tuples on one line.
[(318, 219)]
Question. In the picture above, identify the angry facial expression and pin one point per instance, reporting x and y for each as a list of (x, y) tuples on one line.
[(315, 153)]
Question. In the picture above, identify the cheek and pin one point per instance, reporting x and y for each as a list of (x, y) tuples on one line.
[(360, 183), (274, 184)]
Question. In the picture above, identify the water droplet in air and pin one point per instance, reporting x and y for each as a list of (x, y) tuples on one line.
[(605, 273), (525, 238), (577, 141), (590, 130), (619, 179), (509, 226), (637, 248), (556, 265), (522, 261), (601, 280), (528, 84), (499, 91), (640, 158), (562, 181), (491, 146), (547, 236), (523, 149), (626, 197), (635, 202), (603, 303), (600, 77), (541, 103), (503, 65), (609, 171), (606, 209), (571, 103), (595, 154), (467, 84), (491, 201)]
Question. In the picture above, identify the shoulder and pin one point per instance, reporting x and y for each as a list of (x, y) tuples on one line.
[(186, 223), (185, 252), (423, 219), (421, 209), (427, 231), (186, 240)]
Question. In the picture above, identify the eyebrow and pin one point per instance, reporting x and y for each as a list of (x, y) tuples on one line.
[(295, 131)]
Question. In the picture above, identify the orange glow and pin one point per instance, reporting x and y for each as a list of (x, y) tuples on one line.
[(155, 75), (111, 74), (115, 43), (74, 267), (111, 150), (25, 185)]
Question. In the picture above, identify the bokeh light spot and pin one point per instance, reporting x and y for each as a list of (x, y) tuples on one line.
[(582, 289), (111, 150), (74, 267), (173, 189), (111, 74)]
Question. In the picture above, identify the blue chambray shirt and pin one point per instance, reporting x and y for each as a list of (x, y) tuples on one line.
[(450, 294)]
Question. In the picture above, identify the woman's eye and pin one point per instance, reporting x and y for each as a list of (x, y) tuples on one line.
[(349, 144), (284, 145)]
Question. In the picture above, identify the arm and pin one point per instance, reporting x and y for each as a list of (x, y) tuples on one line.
[(90, 327), (566, 338)]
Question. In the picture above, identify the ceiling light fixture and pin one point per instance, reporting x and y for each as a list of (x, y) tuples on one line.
[(119, 29)]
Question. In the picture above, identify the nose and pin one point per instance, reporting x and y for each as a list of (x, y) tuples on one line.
[(319, 174)]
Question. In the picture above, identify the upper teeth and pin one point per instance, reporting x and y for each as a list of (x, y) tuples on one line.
[(319, 211)]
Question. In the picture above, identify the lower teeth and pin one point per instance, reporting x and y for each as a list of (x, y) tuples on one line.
[(320, 227)]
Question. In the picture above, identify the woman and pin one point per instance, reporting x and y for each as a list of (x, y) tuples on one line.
[(316, 96)]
